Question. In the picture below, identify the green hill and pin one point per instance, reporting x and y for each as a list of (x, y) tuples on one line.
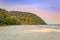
[(19, 18)]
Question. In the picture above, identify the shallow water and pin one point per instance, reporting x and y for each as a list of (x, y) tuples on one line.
[(16, 33)]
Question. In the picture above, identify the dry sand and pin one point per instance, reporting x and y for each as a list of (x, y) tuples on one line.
[(29, 33)]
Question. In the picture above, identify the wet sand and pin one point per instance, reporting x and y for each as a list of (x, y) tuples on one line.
[(43, 30), (29, 33)]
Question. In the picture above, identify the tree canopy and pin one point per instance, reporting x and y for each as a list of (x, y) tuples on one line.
[(19, 18)]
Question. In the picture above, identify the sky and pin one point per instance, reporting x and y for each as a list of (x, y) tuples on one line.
[(48, 10)]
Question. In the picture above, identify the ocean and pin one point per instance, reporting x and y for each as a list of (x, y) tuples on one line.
[(51, 25)]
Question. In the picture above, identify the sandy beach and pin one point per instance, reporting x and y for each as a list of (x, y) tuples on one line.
[(29, 33), (28, 28)]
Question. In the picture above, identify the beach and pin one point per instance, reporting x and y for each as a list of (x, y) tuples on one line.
[(31, 32)]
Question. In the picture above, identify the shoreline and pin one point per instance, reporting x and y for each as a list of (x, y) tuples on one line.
[(30, 28), (43, 30)]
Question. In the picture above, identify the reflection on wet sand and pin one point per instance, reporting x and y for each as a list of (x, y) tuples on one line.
[(42, 30)]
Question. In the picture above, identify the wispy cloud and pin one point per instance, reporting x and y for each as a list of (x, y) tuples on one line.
[(48, 10), (52, 5)]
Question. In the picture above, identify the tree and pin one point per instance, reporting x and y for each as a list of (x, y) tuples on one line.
[(5, 18)]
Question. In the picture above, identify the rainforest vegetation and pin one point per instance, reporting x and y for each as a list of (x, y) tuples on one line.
[(19, 18)]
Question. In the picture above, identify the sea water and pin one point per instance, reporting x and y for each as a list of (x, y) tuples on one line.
[(54, 25), (51, 25)]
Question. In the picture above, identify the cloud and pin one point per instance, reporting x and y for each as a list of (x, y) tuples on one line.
[(54, 5), (51, 5), (44, 9)]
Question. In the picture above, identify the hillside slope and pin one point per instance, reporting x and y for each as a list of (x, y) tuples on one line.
[(18, 17)]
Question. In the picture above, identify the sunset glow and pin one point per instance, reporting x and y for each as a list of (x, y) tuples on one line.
[(48, 10)]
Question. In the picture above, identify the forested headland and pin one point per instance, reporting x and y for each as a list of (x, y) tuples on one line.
[(19, 18)]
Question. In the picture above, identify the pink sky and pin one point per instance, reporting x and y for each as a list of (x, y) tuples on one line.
[(50, 17)]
